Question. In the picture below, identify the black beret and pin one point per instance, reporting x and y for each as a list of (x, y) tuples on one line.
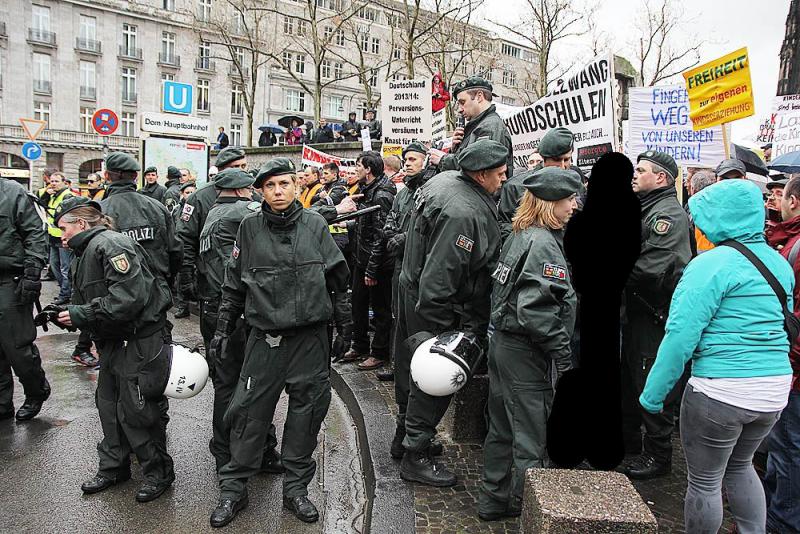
[(150, 169), (173, 173), (71, 203), (556, 142), (416, 146), (473, 82), (233, 179), (274, 167), (661, 159), (120, 161), (190, 183), (552, 183), (227, 156), (482, 154)]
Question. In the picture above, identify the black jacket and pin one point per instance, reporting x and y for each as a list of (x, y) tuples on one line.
[(322, 135), (369, 245)]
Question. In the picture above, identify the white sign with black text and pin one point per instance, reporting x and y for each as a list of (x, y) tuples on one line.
[(406, 111), (169, 124)]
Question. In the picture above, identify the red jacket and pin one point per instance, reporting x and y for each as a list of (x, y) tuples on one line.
[(782, 237)]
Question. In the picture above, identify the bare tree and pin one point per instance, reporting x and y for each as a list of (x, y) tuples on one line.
[(660, 52)]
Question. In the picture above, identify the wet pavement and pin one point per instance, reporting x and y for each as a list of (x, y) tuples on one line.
[(44, 461)]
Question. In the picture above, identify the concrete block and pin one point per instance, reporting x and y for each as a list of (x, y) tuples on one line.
[(464, 419), (567, 501)]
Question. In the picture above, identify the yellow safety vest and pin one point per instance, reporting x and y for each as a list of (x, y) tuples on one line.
[(353, 189), (52, 206), (308, 194)]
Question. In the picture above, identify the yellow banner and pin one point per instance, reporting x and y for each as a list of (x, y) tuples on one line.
[(720, 91), (391, 150)]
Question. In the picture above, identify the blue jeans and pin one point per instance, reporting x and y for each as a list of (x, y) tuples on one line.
[(782, 482), (60, 260)]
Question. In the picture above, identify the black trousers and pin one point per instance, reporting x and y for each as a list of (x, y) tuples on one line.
[(380, 298)]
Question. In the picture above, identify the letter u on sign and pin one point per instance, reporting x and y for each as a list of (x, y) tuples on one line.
[(177, 97)]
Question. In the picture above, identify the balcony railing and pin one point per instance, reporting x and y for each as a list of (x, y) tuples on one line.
[(87, 45), (40, 36), (88, 93), (42, 86), (12, 132), (129, 98), (204, 63), (169, 59), (130, 52)]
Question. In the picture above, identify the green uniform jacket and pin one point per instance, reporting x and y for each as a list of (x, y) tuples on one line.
[(400, 215), (217, 238), (191, 220), (155, 191), (148, 223), (533, 294), (282, 269), (451, 250), (23, 241), (665, 249), (114, 293), (172, 195), (486, 125)]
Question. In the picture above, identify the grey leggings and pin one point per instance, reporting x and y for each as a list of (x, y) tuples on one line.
[(719, 441)]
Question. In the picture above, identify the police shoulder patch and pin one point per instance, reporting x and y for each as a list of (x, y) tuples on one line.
[(120, 263), (556, 272), (465, 242), (186, 214), (235, 251), (662, 226), (253, 206)]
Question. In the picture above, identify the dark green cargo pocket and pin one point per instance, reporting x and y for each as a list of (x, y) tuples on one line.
[(137, 411), (153, 373)]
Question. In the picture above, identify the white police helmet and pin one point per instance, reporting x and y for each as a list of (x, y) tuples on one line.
[(443, 364), (188, 373)]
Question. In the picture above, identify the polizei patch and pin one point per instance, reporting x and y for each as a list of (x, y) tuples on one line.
[(556, 272), (501, 273), (465, 242), (662, 226), (120, 263)]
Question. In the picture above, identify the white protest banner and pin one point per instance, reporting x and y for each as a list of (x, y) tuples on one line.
[(438, 126), (317, 158), (583, 103), (406, 111), (366, 142), (659, 120), (786, 137)]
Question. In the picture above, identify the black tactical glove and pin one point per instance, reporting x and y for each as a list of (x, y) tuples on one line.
[(216, 348), (50, 313), (29, 287), (396, 243)]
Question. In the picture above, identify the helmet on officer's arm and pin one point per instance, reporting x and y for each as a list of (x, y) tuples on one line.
[(187, 375), (443, 364)]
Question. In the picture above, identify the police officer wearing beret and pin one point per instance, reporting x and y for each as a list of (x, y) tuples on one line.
[(191, 220), (141, 218), (172, 195), (474, 99), (23, 253), (451, 249), (282, 268), (533, 312), (216, 243), (120, 300), (665, 251), (151, 187)]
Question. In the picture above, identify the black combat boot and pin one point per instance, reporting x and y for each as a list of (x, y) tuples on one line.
[(226, 511), (419, 466), (100, 483), (645, 467), (32, 406), (302, 508)]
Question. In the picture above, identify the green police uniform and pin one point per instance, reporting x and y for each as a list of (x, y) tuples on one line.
[(451, 249), (23, 253), (172, 195), (123, 305), (280, 273), (533, 312), (665, 251)]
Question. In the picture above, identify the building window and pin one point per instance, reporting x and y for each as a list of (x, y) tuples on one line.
[(373, 78), (333, 5), (128, 39), (41, 112), (334, 106), (86, 119), (238, 23), (510, 50), (88, 29), (325, 69), (508, 101), (128, 123), (398, 77), (394, 20), (337, 70), (167, 76), (300, 63), (41, 73), (464, 68), (510, 78), (376, 45), (295, 100), (169, 5), (288, 25), (40, 20), (236, 134), (302, 28), (327, 34), (204, 10), (287, 60), (168, 47), (238, 53), (367, 13), (203, 91), (204, 61), (397, 52), (88, 79), (237, 104), (128, 84), (487, 74), (340, 38), (364, 41)]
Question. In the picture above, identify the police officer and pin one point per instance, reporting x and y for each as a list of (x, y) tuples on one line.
[(151, 187), (139, 217), (216, 242), (23, 243), (172, 196), (192, 219), (123, 304), (451, 249), (664, 254), (533, 312), (474, 99), (281, 268)]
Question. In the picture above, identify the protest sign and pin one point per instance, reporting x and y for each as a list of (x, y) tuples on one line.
[(786, 137), (438, 126), (317, 158), (659, 120), (406, 111), (391, 150), (720, 91), (583, 103)]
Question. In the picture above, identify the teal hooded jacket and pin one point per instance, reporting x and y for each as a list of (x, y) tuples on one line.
[(724, 316)]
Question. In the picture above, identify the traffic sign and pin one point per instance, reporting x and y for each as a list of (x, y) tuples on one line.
[(105, 121), (32, 127), (177, 97), (31, 151)]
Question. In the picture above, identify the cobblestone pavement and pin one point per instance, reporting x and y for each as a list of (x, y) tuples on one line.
[(454, 510)]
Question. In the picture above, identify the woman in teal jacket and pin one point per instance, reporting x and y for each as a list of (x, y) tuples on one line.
[(726, 318)]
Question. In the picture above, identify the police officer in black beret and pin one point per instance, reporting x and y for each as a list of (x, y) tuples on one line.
[(151, 187), (173, 193), (664, 254), (23, 243)]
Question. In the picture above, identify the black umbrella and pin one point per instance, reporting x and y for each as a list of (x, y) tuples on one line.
[(286, 121), (752, 162)]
